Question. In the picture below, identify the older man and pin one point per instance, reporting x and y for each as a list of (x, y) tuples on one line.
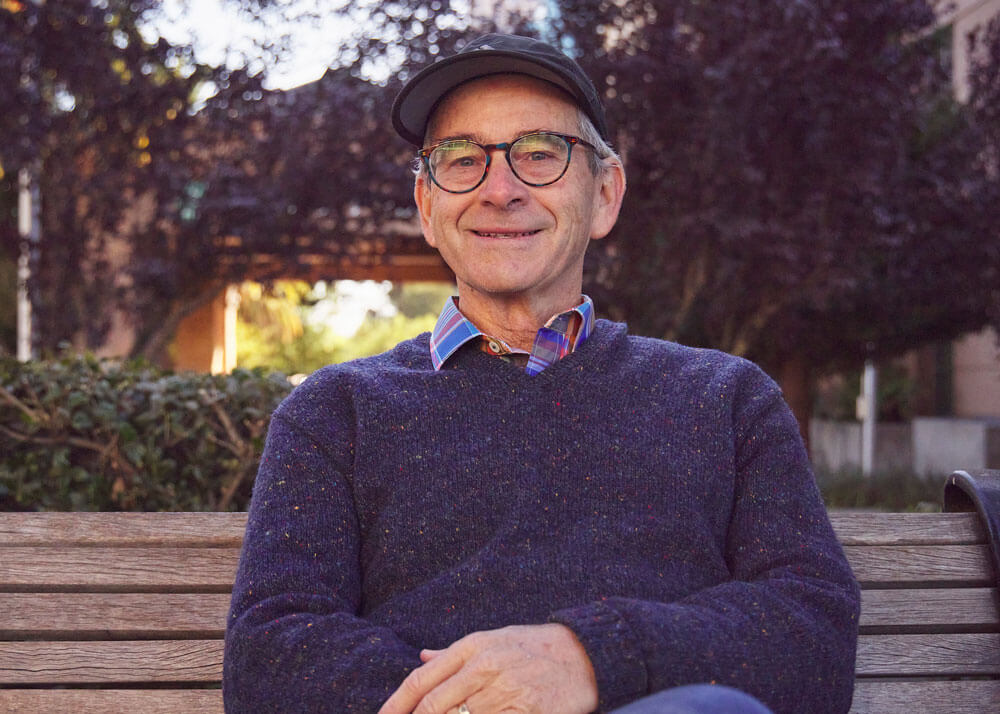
[(530, 510)]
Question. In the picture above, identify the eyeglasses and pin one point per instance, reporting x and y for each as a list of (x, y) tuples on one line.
[(537, 159)]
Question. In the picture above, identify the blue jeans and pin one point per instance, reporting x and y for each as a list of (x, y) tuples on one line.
[(696, 699)]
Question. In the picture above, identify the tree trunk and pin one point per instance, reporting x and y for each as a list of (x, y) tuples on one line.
[(155, 337), (795, 378)]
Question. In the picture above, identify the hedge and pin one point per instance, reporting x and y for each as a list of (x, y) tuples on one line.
[(80, 433)]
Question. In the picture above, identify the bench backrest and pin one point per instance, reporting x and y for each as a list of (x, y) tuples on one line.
[(125, 612)]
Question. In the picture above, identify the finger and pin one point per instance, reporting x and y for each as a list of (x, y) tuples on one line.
[(493, 699), (428, 655), (420, 682), (448, 697), (476, 703)]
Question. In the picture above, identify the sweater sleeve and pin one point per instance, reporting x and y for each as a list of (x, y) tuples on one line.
[(784, 628), (294, 638)]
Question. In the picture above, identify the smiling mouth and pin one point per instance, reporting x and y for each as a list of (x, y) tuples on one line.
[(506, 234)]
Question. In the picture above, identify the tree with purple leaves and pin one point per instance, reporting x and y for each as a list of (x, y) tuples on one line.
[(803, 188)]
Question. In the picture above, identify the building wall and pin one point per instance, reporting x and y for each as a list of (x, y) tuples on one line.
[(206, 339), (976, 357), (976, 361)]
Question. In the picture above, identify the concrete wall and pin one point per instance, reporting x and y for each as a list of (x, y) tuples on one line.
[(836, 445), (943, 445), (927, 446)]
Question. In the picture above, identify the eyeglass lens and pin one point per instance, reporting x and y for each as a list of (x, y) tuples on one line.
[(536, 159)]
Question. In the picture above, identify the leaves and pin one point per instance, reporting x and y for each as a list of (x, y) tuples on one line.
[(801, 181), (104, 435)]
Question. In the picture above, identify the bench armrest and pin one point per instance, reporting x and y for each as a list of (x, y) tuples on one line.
[(980, 492)]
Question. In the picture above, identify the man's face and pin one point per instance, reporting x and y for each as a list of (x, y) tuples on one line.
[(505, 239)]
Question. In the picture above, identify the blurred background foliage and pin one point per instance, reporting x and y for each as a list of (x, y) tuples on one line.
[(837, 396), (799, 170), (297, 328)]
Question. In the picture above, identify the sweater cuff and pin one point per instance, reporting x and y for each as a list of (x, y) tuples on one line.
[(614, 653)]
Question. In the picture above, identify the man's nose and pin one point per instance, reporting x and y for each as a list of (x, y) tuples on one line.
[(501, 187)]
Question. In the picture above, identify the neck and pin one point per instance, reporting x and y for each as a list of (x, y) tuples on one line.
[(515, 320)]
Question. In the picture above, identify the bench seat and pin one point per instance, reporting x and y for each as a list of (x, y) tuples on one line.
[(125, 612)]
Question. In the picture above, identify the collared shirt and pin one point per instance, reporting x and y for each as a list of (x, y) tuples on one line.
[(561, 335)]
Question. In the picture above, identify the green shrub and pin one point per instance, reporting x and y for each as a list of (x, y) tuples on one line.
[(892, 491), (79, 433)]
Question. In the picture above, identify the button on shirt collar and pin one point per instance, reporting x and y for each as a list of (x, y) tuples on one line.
[(558, 338)]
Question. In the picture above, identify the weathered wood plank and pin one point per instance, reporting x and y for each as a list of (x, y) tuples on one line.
[(907, 528), (226, 529), (935, 655), (125, 616), (139, 529), (932, 610), (870, 697), (64, 616), (968, 697), (71, 567), (67, 663), (913, 565), (111, 701)]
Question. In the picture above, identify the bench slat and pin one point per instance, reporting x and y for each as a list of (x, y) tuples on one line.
[(201, 660), (913, 565), (867, 528), (969, 697), (143, 567), (67, 567), (178, 528), (129, 616), (226, 529), (870, 697), (129, 529), (931, 610), (110, 662), (112, 616), (111, 701), (934, 655)]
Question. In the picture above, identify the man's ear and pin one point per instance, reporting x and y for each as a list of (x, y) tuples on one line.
[(608, 194), (422, 197)]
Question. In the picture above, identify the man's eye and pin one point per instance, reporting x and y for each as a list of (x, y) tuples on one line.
[(535, 156), (455, 157)]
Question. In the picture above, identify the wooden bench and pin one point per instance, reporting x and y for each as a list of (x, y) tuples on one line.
[(125, 612)]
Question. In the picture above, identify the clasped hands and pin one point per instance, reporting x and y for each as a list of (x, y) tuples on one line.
[(522, 669)]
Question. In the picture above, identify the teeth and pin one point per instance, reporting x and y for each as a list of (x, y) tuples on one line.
[(505, 235)]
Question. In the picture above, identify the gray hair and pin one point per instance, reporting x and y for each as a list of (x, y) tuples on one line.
[(603, 155)]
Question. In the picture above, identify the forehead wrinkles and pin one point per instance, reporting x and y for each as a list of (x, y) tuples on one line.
[(451, 116)]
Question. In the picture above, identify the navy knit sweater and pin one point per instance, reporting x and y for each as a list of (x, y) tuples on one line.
[(654, 498)]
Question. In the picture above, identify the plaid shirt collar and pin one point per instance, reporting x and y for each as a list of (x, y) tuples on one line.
[(553, 341)]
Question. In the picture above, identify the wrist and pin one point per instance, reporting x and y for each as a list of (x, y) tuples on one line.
[(578, 661)]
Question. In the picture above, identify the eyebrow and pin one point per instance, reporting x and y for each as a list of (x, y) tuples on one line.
[(478, 139)]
